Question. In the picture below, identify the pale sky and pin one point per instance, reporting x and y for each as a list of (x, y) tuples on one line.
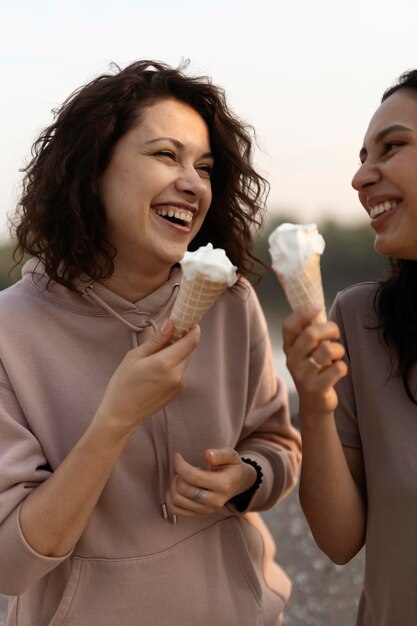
[(307, 74)]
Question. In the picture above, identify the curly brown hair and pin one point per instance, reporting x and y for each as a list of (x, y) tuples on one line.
[(60, 218)]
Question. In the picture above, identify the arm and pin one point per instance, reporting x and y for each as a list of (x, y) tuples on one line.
[(332, 492), (55, 513), (265, 435), (268, 436)]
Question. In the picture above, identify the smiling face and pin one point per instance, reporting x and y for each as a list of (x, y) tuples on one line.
[(387, 179), (156, 190)]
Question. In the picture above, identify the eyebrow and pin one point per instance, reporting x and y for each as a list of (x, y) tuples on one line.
[(178, 144), (381, 136)]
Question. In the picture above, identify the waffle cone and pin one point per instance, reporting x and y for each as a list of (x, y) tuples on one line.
[(306, 288), (195, 297)]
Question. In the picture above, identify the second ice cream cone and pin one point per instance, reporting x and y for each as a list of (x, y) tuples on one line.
[(306, 288)]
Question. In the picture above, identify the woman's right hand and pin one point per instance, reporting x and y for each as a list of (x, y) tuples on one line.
[(314, 359), (332, 502), (147, 379), (55, 514)]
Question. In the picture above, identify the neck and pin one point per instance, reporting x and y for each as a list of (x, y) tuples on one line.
[(133, 285)]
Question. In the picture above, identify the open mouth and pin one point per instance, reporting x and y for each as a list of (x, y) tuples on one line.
[(175, 216), (383, 208)]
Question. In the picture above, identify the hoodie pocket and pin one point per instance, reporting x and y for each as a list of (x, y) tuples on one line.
[(207, 579), (69, 592)]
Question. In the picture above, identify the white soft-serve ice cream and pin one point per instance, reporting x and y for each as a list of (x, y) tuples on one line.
[(210, 262), (207, 272), (296, 250)]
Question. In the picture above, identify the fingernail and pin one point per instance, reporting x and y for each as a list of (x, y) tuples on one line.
[(164, 326)]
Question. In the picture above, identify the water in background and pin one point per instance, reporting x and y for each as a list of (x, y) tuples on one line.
[(281, 369)]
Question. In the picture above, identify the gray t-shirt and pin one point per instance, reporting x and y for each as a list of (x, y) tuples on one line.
[(376, 416)]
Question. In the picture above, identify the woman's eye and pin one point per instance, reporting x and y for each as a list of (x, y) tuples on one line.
[(165, 153), (391, 145), (205, 170)]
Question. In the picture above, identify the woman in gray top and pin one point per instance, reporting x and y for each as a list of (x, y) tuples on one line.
[(358, 397)]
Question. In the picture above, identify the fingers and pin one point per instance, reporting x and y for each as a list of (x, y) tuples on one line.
[(183, 347), (323, 377), (315, 349), (160, 339), (149, 377), (298, 326), (190, 500), (308, 366), (314, 359), (326, 354), (315, 376), (222, 456), (189, 493), (193, 476), (295, 323), (195, 491), (301, 337)]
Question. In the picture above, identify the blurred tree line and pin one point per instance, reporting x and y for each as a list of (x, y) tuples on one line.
[(349, 258), (9, 273)]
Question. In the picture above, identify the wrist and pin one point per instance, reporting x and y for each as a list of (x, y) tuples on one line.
[(110, 430), (241, 501), (314, 420), (251, 476)]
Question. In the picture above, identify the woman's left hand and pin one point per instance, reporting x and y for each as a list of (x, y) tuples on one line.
[(195, 491)]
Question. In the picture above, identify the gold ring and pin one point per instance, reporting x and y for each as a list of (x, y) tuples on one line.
[(315, 363)]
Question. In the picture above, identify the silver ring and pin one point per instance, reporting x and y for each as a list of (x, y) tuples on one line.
[(315, 363), (199, 495)]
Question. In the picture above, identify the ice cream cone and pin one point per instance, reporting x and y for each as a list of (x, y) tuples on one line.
[(306, 288), (195, 297)]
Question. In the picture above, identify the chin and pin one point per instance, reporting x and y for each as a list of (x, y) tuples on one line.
[(384, 247), (394, 252), (173, 259)]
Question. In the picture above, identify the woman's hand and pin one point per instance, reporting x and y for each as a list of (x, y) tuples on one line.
[(55, 514), (314, 359), (195, 491), (147, 379)]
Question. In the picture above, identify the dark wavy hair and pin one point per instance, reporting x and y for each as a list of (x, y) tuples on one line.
[(396, 297), (60, 218)]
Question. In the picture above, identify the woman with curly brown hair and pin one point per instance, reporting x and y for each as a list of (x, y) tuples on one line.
[(130, 468)]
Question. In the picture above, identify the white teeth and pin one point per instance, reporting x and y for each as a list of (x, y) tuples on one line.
[(381, 208), (178, 214), (184, 217)]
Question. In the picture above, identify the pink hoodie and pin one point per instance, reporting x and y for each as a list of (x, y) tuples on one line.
[(132, 567)]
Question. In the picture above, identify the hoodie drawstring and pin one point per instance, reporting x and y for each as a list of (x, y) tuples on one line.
[(160, 430)]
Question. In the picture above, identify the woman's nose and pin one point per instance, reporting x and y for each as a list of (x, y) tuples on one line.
[(189, 181), (366, 175)]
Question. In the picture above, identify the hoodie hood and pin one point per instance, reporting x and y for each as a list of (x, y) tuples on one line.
[(153, 305)]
